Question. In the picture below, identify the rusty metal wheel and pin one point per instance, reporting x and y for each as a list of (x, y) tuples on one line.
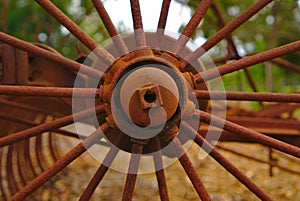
[(146, 93)]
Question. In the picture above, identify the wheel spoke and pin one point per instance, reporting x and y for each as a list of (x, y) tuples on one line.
[(248, 61), (160, 175), (162, 22), (192, 25), (31, 132), (48, 91), (98, 176), (37, 51), (191, 172), (243, 131), (118, 41), (137, 149), (234, 24), (33, 124), (206, 146), (90, 43), (248, 96), (163, 15), (60, 164), (140, 37)]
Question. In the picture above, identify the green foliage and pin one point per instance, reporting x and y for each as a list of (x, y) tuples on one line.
[(27, 20)]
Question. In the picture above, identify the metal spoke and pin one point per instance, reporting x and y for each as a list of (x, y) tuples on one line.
[(140, 37), (137, 149), (247, 62), (118, 41), (191, 172), (163, 14), (60, 164), (162, 22), (206, 146), (49, 91), (160, 175), (234, 24), (31, 132), (37, 51), (98, 176), (33, 124), (89, 42), (243, 131), (247, 96), (192, 25)]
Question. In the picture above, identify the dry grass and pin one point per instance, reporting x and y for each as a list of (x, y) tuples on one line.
[(221, 185)]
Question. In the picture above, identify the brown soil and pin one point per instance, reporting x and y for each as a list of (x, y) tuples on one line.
[(222, 186)]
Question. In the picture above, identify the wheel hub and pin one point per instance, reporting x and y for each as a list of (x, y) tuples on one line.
[(142, 89)]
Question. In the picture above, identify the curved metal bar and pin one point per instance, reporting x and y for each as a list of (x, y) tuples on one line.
[(60, 164)]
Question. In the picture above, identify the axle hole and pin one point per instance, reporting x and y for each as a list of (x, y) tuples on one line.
[(150, 97)]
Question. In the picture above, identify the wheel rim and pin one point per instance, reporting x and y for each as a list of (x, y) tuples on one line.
[(20, 191)]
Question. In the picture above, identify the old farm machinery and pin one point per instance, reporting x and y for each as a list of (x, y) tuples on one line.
[(146, 94)]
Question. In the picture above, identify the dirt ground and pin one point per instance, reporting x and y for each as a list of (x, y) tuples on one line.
[(283, 186)]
